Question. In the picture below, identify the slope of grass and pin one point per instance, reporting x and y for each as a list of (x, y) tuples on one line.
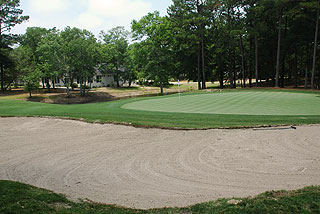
[(16, 198), (115, 113)]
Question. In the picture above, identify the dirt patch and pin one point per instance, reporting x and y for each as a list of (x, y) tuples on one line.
[(59, 96), (150, 168)]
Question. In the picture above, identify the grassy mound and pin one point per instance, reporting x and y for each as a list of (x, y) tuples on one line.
[(21, 198)]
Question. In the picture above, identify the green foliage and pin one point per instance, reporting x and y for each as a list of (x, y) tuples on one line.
[(74, 85), (8, 58), (10, 15), (154, 50), (21, 198), (199, 40), (71, 53), (31, 81), (115, 47)]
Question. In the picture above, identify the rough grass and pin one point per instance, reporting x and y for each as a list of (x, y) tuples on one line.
[(112, 112), (16, 198)]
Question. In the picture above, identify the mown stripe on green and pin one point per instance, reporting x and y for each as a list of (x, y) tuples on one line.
[(245, 103)]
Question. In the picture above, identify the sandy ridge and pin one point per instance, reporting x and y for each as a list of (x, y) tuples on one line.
[(149, 168)]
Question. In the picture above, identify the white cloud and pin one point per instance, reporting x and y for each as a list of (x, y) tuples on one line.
[(105, 14), (93, 15), (89, 20), (119, 8), (49, 6)]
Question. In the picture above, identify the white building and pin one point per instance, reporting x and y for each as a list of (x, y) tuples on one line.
[(99, 80)]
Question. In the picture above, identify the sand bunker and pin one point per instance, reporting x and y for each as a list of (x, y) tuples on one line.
[(149, 168)]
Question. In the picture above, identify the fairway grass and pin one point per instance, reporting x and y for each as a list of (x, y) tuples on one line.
[(17, 198), (242, 108)]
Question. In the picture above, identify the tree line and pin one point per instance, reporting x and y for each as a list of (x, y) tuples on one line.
[(236, 42)]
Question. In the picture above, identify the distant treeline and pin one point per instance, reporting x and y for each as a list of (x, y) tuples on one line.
[(246, 42)]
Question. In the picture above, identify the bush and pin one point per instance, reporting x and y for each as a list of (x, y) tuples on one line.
[(74, 85), (31, 81), (86, 87)]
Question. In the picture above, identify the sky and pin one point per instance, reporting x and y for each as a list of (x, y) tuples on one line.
[(92, 15)]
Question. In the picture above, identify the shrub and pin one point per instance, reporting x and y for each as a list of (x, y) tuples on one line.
[(74, 85)]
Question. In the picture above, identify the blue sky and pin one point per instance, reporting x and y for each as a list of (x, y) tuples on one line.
[(93, 15)]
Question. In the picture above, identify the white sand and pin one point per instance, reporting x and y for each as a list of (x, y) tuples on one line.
[(149, 168)]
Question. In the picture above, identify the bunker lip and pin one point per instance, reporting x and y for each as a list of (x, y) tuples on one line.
[(153, 168), (163, 127)]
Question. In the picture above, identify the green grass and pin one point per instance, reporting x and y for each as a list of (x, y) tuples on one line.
[(16, 198), (243, 108), (245, 103)]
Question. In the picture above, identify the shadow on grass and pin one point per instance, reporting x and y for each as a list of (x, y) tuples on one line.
[(131, 88), (36, 99)]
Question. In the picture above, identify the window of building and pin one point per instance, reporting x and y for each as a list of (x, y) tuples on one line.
[(98, 78)]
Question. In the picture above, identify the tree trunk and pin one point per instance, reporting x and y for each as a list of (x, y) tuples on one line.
[(257, 60), (306, 79), (234, 70), (234, 78), (66, 83), (2, 77), (85, 88), (283, 70), (118, 82), (199, 70), (81, 87), (243, 62), (315, 48), (296, 70), (250, 64), (231, 74), (68, 92), (221, 79), (48, 85), (43, 83), (279, 50), (203, 64), (8, 85), (30, 95), (307, 67), (319, 79), (161, 89)]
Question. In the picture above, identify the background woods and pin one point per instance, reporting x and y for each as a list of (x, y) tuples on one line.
[(237, 43)]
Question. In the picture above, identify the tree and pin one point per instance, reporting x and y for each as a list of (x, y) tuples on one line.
[(31, 81), (10, 15), (78, 53), (8, 63), (279, 47), (315, 47), (130, 69), (117, 38), (30, 73), (155, 35), (32, 40), (190, 22)]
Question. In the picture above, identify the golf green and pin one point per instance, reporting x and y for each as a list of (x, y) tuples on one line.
[(235, 103)]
